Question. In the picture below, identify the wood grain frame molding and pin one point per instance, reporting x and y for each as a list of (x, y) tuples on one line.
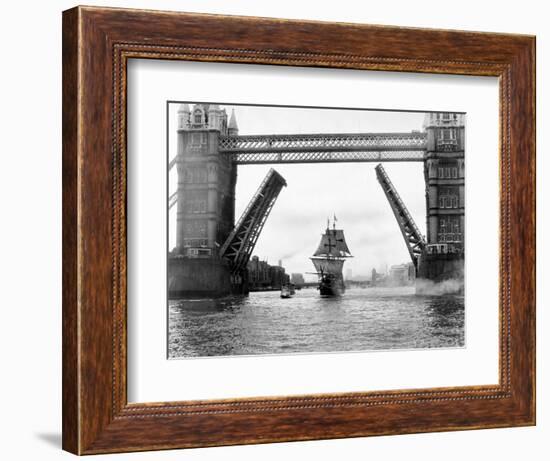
[(97, 44)]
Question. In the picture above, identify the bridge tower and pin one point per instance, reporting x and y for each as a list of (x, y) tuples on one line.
[(205, 201), (443, 257)]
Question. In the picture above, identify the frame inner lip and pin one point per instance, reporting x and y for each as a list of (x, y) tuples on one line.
[(126, 51)]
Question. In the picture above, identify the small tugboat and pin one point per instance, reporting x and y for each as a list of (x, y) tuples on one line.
[(329, 260), (286, 292)]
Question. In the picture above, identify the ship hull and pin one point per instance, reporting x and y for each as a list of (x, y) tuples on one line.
[(331, 288), (330, 291)]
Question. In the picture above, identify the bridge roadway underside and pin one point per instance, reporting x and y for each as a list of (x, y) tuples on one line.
[(321, 148)]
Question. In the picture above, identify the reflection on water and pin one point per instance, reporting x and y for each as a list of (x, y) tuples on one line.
[(361, 320)]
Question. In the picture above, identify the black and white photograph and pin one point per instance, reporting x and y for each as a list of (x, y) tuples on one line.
[(313, 229)]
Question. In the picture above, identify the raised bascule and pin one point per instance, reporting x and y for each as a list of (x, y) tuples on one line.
[(238, 247), (211, 251), (414, 240)]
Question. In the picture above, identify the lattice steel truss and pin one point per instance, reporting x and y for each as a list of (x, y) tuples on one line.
[(241, 242), (411, 234), (312, 148), (323, 148)]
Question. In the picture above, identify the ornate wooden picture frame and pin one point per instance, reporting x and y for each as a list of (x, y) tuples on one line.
[(97, 44)]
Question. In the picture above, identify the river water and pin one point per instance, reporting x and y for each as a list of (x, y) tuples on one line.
[(361, 320)]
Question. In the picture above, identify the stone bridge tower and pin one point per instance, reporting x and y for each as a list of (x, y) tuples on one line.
[(444, 172), (205, 200)]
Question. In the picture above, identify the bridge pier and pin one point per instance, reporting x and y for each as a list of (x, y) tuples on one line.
[(198, 277)]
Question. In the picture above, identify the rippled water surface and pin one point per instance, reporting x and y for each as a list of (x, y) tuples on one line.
[(360, 320)]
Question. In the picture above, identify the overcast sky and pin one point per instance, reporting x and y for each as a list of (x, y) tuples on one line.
[(316, 191)]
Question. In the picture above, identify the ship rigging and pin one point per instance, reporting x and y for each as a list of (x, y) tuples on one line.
[(329, 260)]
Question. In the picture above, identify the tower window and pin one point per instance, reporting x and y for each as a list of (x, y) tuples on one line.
[(448, 197), (447, 134), (195, 175), (449, 229), (447, 171), (197, 116), (197, 139), (195, 201), (195, 228)]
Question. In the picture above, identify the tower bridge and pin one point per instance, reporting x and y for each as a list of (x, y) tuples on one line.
[(212, 250)]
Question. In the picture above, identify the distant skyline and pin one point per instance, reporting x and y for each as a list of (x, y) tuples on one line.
[(316, 192)]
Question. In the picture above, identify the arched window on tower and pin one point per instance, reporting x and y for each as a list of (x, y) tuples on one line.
[(198, 116)]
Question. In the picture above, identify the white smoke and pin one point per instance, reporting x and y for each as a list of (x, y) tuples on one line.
[(429, 287)]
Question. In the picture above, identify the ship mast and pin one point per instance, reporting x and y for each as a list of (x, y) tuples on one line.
[(332, 239), (330, 245)]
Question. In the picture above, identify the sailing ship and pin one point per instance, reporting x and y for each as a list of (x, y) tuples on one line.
[(329, 260)]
